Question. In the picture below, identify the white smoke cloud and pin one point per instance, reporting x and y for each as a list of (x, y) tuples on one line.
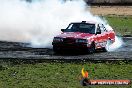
[(117, 44), (38, 22)]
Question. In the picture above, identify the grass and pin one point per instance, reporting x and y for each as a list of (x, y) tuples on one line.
[(122, 24), (60, 75)]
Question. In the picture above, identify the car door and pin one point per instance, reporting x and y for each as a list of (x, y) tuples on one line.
[(104, 35), (98, 37), (101, 36)]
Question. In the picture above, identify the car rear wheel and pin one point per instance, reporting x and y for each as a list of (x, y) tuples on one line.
[(91, 49), (106, 48)]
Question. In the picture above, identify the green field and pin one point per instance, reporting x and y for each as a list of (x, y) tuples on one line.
[(121, 24), (60, 74)]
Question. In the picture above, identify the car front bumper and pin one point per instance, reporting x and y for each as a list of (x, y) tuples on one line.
[(70, 46)]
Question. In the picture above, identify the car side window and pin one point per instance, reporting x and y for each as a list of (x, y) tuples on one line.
[(103, 28), (98, 30)]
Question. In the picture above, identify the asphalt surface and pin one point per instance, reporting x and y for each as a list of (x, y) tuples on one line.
[(15, 50)]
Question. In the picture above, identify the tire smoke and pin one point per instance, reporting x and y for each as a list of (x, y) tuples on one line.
[(117, 44), (37, 22)]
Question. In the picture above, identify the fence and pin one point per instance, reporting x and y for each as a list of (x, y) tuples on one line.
[(125, 2)]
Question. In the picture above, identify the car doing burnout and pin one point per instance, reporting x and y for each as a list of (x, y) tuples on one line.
[(86, 36)]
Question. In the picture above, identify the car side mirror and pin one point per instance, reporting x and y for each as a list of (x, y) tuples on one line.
[(98, 32), (62, 30)]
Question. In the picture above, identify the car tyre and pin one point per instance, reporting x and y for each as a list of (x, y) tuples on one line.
[(108, 43), (91, 49), (56, 50)]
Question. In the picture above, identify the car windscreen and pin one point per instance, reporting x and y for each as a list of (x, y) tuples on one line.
[(81, 27)]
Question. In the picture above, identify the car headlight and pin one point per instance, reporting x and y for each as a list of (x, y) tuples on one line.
[(81, 41), (57, 39)]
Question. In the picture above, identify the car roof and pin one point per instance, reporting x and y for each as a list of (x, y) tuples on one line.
[(90, 22)]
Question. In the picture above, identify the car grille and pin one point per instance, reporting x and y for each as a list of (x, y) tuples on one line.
[(69, 40)]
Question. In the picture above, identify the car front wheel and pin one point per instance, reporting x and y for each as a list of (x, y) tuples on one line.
[(91, 49), (56, 50)]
